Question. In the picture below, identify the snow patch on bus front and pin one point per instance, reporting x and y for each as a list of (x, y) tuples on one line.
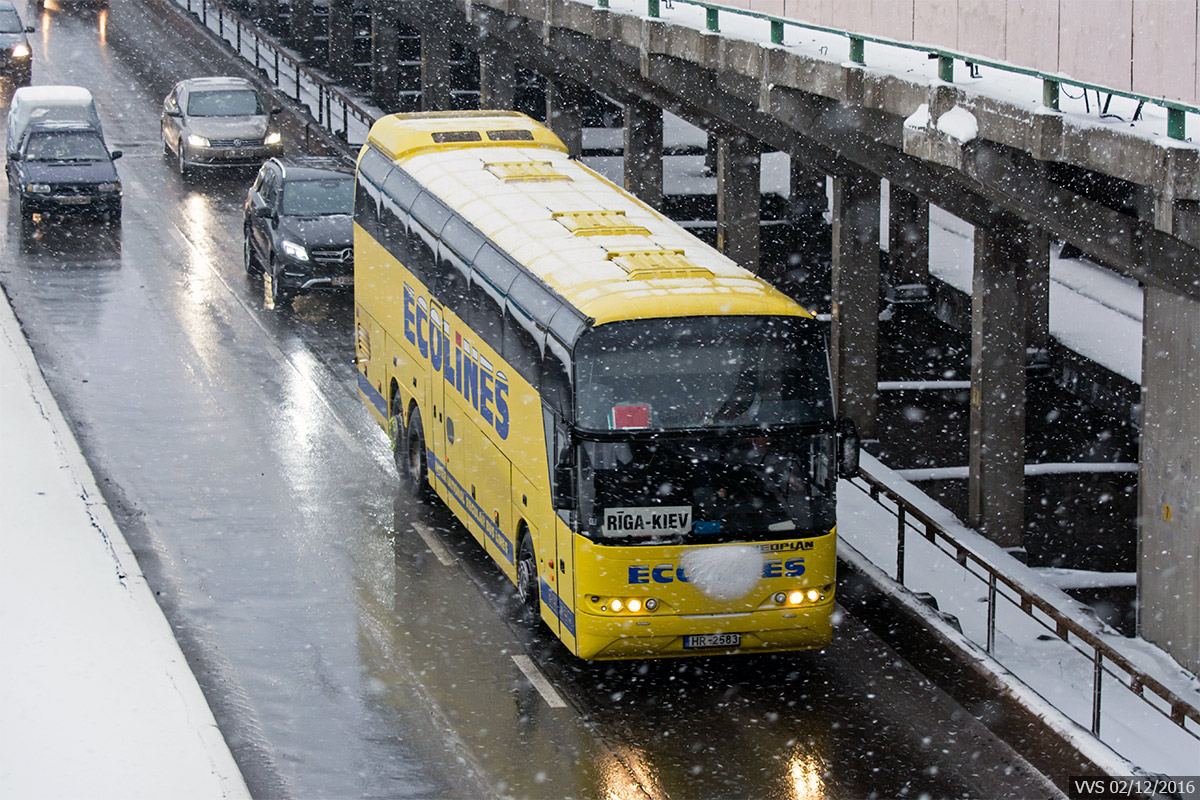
[(723, 573)]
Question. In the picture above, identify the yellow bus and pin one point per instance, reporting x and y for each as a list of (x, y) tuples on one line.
[(640, 432)]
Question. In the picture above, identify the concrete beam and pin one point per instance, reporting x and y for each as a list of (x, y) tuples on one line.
[(644, 151), (1169, 477), (739, 198), (854, 334), (996, 483)]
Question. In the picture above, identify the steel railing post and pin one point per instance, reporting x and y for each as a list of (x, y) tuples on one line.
[(900, 544)]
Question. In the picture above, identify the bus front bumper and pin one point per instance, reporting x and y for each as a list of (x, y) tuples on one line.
[(653, 636)]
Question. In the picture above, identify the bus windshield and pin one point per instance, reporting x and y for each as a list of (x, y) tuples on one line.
[(702, 372)]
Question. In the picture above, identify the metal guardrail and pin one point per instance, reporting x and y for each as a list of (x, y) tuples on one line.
[(1051, 82), (328, 104), (1105, 659), (290, 75)]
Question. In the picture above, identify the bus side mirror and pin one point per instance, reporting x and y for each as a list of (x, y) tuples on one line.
[(848, 446), (564, 487)]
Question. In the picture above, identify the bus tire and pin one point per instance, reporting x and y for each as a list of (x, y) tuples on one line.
[(527, 580), (411, 459)]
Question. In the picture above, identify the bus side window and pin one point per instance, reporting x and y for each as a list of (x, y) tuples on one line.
[(453, 279), (486, 312), (555, 377), (523, 342), (373, 170), (421, 250)]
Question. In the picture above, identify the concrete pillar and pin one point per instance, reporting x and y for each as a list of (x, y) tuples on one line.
[(564, 113), (1035, 288), (1169, 477), (854, 334), (437, 78), (497, 78), (267, 13), (996, 484), (807, 198), (908, 237), (303, 26), (644, 151), (341, 41), (739, 199), (385, 37)]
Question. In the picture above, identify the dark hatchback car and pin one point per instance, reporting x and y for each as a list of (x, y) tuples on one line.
[(64, 168), (16, 57), (299, 227)]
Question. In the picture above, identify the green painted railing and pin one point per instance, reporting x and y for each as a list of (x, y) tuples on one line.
[(1176, 111)]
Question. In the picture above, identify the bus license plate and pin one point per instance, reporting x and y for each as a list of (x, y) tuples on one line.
[(343, 280), (712, 640)]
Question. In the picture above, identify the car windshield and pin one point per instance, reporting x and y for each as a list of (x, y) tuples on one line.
[(65, 146), (10, 22), (702, 372), (224, 103), (317, 198)]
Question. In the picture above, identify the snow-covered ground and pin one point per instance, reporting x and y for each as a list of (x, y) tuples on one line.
[(98, 701)]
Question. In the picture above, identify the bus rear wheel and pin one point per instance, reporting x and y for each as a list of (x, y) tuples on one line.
[(411, 458), (527, 580)]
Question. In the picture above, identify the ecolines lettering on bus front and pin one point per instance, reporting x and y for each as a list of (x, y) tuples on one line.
[(468, 372), (669, 573)]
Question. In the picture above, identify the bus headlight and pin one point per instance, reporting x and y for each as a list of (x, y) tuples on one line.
[(617, 605), (625, 605)]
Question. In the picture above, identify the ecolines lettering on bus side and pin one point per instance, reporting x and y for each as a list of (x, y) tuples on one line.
[(669, 573), (469, 373)]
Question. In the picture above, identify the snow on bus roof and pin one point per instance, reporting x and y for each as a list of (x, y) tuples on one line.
[(518, 215)]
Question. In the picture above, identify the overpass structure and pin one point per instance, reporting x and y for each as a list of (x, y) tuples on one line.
[(860, 92)]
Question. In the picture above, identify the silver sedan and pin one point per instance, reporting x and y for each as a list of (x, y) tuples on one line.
[(218, 122)]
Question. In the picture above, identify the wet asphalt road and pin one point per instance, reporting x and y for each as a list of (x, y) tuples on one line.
[(342, 657)]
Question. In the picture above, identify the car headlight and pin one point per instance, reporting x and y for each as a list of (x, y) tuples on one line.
[(21, 51), (195, 140), (37, 188), (274, 137), (109, 187), (294, 250)]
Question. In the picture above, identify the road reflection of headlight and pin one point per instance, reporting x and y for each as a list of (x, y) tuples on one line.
[(806, 779)]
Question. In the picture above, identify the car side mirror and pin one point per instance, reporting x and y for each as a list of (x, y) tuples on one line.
[(848, 448), (30, 29), (14, 156), (115, 154), (262, 210), (277, 110), (173, 112)]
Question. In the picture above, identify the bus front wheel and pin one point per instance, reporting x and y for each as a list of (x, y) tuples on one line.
[(410, 458), (527, 580)]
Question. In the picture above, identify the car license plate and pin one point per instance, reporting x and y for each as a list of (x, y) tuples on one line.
[(712, 640), (343, 280), (74, 201)]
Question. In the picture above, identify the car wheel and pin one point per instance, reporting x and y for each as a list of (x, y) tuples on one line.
[(249, 260), (274, 295), (527, 580), (411, 460)]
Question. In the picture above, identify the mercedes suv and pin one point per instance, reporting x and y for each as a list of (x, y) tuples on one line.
[(299, 227)]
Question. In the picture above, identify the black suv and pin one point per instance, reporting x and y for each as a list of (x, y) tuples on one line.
[(65, 168), (16, 59), (299, 226)]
